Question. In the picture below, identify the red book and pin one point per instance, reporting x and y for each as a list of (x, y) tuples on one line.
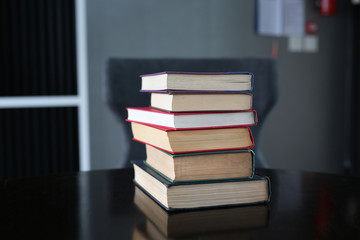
[(193, 140), (192, 120)]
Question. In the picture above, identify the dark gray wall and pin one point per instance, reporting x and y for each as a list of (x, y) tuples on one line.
[(305, 129)]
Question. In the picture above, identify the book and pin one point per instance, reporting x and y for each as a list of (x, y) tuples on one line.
[(201, 194), (201, 165), (206, 81), (191, 120), (200, 222), (193, 140), (205, 102)]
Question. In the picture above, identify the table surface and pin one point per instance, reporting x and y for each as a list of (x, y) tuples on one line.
[(100, 205)]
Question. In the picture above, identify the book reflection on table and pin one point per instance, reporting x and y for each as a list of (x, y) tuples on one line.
[(220, 223)]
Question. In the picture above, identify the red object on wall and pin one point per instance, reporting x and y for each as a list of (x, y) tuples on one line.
[(327, 7), (311, 27)]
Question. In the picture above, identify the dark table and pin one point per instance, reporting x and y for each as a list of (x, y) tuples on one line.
[(100, 205)]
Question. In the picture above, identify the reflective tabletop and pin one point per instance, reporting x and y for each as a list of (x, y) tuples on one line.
[(106, 205)]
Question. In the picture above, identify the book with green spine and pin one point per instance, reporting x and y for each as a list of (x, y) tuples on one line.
[(201, 165)]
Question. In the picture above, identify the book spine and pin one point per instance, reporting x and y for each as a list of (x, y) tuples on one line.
[(253, 163), (252, 138), (169, 91), (166, 129)]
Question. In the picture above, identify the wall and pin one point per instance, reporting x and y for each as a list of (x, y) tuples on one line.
[(305, 129)]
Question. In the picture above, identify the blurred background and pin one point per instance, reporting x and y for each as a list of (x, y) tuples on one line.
[(53, 113)]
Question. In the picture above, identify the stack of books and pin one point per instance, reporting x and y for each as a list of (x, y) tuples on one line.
[(198, 141)]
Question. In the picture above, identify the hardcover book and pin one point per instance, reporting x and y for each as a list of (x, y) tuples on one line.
[(206, 81), (208, 222), (201, 194), (193, 140), (201, 165), (204, 102), (188, 120)]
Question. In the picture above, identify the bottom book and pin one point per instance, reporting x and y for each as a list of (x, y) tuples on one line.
[(227, 221), (201, 194)]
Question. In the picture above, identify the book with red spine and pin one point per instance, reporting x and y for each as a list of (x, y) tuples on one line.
[(192, 120), (177, 141)]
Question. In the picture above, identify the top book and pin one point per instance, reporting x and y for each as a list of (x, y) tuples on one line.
[(197, 81)]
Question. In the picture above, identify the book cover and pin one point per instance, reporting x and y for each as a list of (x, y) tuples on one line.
[(168, 129), (150, 140), (194, 181), (198, 73), (185, 152), (169, 91), (230, 84), (204, 120), (201, 102), (206, 153), (168, 184), (154, 110)]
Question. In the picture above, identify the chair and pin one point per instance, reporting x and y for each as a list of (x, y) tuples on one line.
[(122, 85)]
